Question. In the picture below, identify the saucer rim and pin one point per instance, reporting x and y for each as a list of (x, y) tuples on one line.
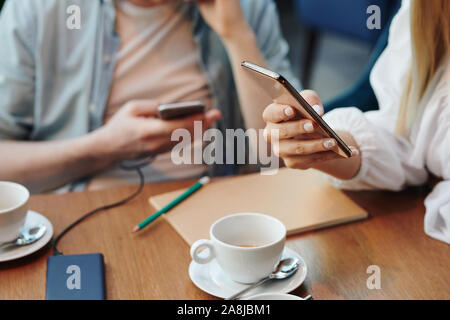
[(285, 290), (32, 248)]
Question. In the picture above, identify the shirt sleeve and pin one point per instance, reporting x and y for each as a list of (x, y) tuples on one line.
[(17, 71), (437, 216), (383, 164), (437, 204), (264, 20)]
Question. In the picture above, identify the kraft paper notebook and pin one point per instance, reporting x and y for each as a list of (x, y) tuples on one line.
[(302, 200)]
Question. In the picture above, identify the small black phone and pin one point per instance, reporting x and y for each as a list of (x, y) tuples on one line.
[(181, 109)]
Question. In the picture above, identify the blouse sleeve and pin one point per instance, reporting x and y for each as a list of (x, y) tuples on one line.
[(383, 153), (437, 216), (437, 204), (386, 160)]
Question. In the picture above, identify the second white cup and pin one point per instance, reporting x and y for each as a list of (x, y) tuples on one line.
[(247, 246), (13, 209)]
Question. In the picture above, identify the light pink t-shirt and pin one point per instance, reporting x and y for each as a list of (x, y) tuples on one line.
[(158, 59)]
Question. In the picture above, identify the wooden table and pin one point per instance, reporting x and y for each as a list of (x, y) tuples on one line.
[(154, 263)]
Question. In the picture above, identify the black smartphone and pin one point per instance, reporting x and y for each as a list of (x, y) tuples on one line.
[(180, 109), (281, 91)]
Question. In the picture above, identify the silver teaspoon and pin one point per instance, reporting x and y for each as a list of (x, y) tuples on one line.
[(286, 268), (27, 236)]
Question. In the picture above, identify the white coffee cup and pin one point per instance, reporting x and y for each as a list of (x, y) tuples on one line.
[(13, 209), (247, 246)]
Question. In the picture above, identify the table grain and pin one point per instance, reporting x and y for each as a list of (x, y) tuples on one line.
[(153, 264)]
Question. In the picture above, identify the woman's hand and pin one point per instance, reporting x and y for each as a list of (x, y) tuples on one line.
[(134, 131), (225, 17), (301, 147)]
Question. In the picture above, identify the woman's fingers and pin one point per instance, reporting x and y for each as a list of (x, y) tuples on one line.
[(308, 161), (313, 99), (290, 129), (278, 113), (292, 147)]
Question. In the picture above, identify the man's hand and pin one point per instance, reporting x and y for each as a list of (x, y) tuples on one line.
[(225, 17), (134, 131)]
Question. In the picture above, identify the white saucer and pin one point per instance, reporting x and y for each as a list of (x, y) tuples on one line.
[(33, 218), (211, 279)]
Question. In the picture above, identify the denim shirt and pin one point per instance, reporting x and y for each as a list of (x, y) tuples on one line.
[(55, 81)]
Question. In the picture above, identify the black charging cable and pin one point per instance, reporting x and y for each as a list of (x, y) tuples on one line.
[(125, 165)]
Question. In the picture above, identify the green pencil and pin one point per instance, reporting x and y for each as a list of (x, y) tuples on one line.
[(172, 204)]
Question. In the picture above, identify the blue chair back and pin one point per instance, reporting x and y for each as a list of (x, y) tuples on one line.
[(361, 94), (347, 17)]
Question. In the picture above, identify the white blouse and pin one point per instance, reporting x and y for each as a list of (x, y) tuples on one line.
[(392, 162)]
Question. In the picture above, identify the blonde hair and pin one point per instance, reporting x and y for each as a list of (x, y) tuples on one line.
[(430, 37)]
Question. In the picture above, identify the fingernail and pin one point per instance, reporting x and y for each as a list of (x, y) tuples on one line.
[(355, 151), (289, 111), (308, 126), (317, 109), (329, 144)]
